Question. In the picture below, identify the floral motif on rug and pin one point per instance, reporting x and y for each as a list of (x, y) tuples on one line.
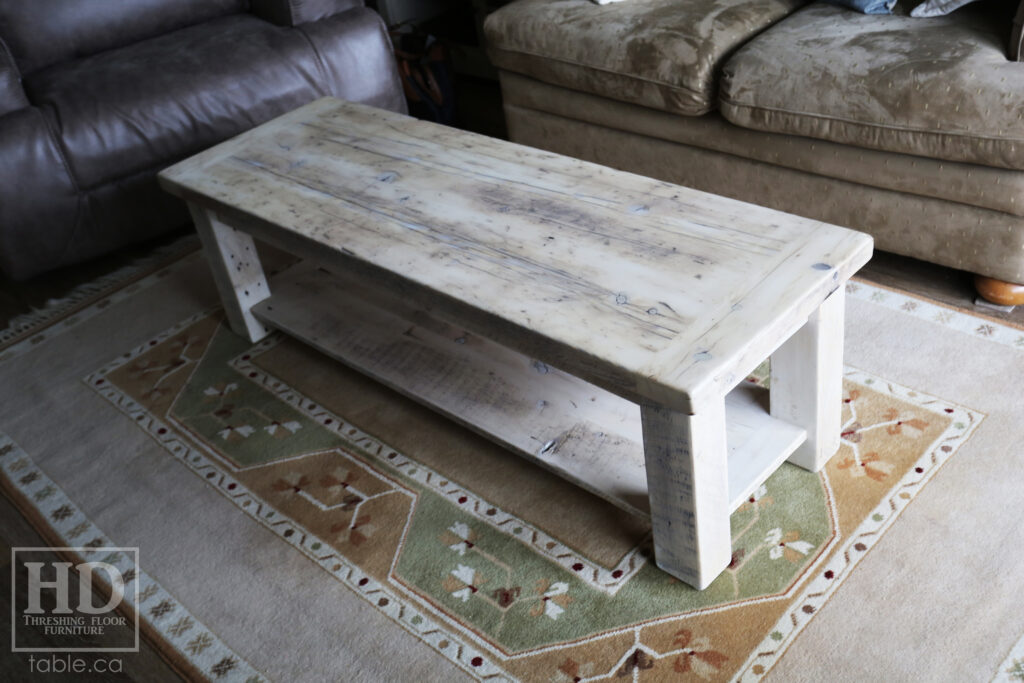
[(501, 589)]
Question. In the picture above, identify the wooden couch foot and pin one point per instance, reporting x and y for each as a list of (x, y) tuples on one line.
[(999, 291)]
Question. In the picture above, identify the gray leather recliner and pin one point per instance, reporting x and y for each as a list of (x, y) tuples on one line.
[(96, 97)]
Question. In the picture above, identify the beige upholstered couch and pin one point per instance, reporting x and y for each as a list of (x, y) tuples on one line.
[(909, 129)]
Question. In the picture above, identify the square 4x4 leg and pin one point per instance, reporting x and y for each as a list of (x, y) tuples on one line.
[(687, 455), (807, 382)]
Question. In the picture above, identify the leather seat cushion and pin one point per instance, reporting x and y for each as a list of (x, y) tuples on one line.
[(940, 88), (131, 109), (663, 54)]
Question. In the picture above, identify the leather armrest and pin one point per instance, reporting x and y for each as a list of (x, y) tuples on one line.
[(1017, 35), (40, 206), (12, 95), (295, 12), (357, 59)]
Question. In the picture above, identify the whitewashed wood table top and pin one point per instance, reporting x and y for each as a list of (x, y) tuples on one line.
[(655, 291)]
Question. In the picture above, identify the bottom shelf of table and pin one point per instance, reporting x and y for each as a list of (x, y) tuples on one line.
[(583, 433)]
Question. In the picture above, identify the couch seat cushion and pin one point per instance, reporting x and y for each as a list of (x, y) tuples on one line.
[(131, 109), (664, 54), (940, 88)]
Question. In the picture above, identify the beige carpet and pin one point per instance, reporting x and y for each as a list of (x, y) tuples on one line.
[(297, 522)]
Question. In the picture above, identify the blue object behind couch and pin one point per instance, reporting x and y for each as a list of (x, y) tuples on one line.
[(866, 6)]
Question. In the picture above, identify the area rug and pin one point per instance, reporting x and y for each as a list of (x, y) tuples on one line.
[(296, 521), (1012, 669), (118, 283)]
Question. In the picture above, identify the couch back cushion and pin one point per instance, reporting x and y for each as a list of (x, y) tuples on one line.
[(662, 54), (940, 88), (44, 32)]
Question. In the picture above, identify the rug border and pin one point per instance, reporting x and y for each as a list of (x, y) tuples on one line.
[(87, 298), (1011, 327), (1014, 659), (820, 588), (177, 660)]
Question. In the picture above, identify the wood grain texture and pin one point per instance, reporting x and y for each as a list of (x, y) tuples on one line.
[(237, 272), (592, 296), (585, 434), (646, 289), (688, 488), (807, 382)]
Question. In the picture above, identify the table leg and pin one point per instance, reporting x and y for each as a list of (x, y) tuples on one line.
[(688, 484), (807, 382), (237, 272)]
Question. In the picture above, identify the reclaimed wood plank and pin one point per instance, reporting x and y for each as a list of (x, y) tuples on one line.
[(587, 435), (807, 382), (614, 277), (237, 272), (689, 491), (652, 301)]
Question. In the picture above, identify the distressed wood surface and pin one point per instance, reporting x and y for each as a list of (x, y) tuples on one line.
[(237, 272), (613, 317), (584, 433), (688, 488), (654, 292), (807, 382)]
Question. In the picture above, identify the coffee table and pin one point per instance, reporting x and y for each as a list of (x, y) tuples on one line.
[(599, 323)]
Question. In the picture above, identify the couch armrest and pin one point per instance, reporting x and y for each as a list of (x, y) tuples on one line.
[(357, 60), (295, 12), (12, 95), (40, 206), (1017, 35)]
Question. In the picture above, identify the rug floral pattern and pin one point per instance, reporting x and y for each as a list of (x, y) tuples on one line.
[(491, 588)]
